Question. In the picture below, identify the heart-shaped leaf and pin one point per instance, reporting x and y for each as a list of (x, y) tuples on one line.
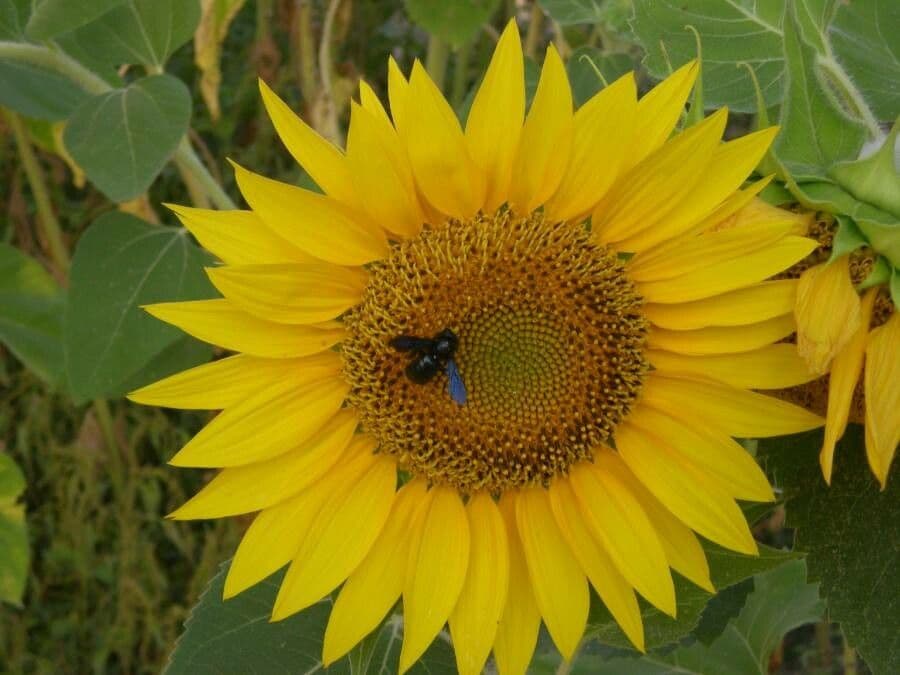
[(123, 138), (120, 264)]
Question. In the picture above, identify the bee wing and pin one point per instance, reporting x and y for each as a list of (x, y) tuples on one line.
[(455, 383), (410, 343)]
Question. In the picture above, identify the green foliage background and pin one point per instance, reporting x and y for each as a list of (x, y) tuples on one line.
[(111, 108)]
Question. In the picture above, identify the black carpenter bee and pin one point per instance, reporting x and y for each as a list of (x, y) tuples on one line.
[(432, 354)]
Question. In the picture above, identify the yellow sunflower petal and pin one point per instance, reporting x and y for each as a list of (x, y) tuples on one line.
[(718, 455), (616, 593), (546, 141), (775, 366), (265, 425), (828, 312), (398, 94), (728, 275), (473, 623), (757, 212), (730, 165), (682, 548), (601, 139), (723, 215), (321, 226), (685, 255), (374, 587), (238, 489), (617, 520), (221, 323), (882, 387), (560, 588), (444, 171), (652, 187), (293, 294), (495, 119), (437, 571), (737, 412), (369, 100), (659, 110), (223, 383), (845, 370), (520, 622), (722, 339), (275, 534), (338, 539), (322, 161), (744, 306), (238, 237), (686, 492), (382, 173)]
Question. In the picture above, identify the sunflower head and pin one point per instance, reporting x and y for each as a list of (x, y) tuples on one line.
[(610, 332)]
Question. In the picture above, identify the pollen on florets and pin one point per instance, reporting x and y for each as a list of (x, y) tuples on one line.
[(551, 343)]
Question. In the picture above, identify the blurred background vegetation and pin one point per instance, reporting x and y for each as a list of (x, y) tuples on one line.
[(110, 581)]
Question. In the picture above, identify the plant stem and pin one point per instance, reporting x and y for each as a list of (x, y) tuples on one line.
[(187, 161), (460, 74), (51, 233), (55, 61), (850, 94), (535, 31), (105, 420), (306, 51), (185, 157), (436, 60)]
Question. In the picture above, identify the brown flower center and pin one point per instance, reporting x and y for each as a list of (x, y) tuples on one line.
[(551, 344)]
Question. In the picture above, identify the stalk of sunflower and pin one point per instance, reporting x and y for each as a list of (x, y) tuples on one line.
[(846, 335), (603, 389)]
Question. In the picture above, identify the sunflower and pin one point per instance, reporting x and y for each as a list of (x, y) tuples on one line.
[(602, 341), (839, 329)]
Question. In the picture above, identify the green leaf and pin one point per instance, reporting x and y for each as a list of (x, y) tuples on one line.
[(584, 79), (52, 17), (875, 179), (13, 537), (781, 600), (121, 263), (123, 138), (13, 17), (815, 131), (570, 12), (235, 636), (755, 26), (38, 92), (726, 569), (864, 38), (136, 31), (31, 305), (849, 533), (456, 22), (724, 606)]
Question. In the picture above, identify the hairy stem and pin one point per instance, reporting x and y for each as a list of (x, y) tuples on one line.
[(849, 94)]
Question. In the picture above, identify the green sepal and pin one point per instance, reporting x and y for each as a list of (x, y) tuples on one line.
[(875, 179), (847, 239)]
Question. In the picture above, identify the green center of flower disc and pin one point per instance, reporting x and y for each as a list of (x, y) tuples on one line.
[(551, 343)]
